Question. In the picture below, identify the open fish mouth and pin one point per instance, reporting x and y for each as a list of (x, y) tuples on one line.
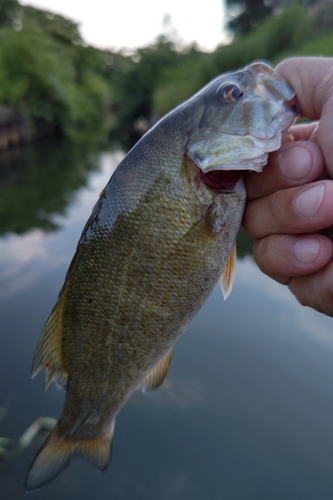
[(221, 180), (251, 125)]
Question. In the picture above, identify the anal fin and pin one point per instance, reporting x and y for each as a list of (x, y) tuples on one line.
[(49, 349), (229, 273), (157, 375)]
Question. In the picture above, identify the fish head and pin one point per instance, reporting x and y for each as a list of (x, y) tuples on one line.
[(243, 116)]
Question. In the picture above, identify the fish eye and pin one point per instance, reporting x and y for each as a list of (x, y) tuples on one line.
[(230, 92)]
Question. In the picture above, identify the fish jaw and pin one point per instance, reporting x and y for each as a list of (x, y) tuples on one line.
[(271, 86), (239, 135), (239, 153)]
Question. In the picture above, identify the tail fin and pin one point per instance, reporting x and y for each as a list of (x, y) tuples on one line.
[(57, 452)]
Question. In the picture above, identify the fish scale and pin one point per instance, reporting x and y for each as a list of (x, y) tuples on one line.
[(159, 238)]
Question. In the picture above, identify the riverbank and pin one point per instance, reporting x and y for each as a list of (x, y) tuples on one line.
[(14, 130)]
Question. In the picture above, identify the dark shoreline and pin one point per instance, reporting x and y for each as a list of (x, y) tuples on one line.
[(14, 130)]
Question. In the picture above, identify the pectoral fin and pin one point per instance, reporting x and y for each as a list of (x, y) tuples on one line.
[(157, 375), (229, 273), (49, 350)]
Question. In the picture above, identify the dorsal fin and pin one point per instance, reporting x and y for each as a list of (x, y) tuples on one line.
[(157, 375), (49, 350), (229, 273)]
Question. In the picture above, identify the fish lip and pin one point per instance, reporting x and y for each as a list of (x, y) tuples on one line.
[(287, 115), (249, 165), (246, 164), (269, 83), (271, 86), (256, 163)]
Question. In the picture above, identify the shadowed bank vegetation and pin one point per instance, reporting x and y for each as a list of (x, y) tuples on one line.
[(58, 82)]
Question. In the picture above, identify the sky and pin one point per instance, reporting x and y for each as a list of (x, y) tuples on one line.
[(117, 24)]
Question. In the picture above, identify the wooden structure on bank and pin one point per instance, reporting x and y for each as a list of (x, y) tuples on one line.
[(12, 128)]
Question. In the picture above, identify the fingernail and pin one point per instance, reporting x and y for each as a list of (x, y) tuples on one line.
[(306, 250), (308, 202), (295, 162)]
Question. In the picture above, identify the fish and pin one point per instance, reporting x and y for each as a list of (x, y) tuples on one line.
[(160, 237)]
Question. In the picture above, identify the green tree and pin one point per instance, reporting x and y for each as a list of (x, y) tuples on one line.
[(134, 81), (36, 76), (60, 28), (8, 12), (246, 14), (52, 78), (284, 32)]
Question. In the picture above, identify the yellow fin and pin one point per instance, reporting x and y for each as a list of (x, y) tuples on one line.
[(57, 452), (229, 273), (157, 375), (49, 350)]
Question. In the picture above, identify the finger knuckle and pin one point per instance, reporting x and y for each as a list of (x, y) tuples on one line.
[(273, 211)]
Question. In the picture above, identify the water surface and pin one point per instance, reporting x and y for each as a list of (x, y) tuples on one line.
[(246, 412)]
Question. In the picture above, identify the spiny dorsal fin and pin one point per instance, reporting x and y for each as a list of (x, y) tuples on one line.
[(229, 273), (157, 375), (56, 453), (49, 350)]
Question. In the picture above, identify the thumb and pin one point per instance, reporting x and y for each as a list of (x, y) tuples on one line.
[(312, 80)]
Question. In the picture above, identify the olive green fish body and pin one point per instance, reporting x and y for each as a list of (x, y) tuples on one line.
[(141, 282), (157, 242)]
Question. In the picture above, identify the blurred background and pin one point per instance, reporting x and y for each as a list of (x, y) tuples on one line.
[(54, 80), (246, 412)]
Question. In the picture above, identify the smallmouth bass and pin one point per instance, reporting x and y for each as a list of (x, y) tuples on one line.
[(158, 240)]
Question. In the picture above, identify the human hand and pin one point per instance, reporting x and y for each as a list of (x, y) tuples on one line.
[(292, 199)]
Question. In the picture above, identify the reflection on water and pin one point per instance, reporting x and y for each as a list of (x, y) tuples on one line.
[(37, 182), (246, 412)]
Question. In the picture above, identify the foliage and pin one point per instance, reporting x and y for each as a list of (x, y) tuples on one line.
[(321, 46), (58, 27), (35, 75), (286, 31), (54, 80), (134, 81), (248, 13), (8, 12), (87, 94), (179, 81)]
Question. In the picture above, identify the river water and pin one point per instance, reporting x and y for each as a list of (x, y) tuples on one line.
[(246, 412)]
